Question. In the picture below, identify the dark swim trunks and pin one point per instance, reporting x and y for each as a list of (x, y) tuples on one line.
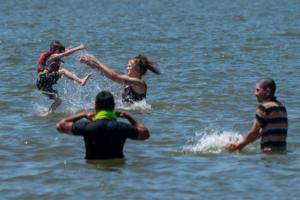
[(45, 82)]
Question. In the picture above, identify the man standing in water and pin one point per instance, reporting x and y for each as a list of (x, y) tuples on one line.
[(271, 123), (103, 135)]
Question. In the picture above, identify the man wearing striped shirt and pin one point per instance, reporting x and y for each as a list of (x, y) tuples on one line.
[(271, 123)]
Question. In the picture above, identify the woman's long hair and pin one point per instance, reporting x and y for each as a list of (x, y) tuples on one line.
[(144, 63)]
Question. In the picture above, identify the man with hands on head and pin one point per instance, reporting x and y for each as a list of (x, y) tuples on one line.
[(103, 135)]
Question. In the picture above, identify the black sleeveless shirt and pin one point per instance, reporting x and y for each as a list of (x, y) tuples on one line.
[(130, 95)]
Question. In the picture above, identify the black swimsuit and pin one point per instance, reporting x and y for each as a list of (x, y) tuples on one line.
[(131, 96)]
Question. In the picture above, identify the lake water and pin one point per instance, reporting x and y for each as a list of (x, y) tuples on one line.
[(211, 53)]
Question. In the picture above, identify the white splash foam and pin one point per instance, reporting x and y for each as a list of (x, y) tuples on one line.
[(82, 53), (39, 108), (76, 98), (210, 141), (140, 105)]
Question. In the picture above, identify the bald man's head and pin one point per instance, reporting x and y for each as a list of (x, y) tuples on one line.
[(267, 83)]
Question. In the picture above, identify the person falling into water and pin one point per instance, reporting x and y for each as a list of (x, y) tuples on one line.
[(49, 71), (135, 89), (271, 123)]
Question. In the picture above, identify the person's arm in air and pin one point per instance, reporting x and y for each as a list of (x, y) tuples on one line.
[(65, 125), (109, 73), (66, 53), (251, 136), (143, 131)]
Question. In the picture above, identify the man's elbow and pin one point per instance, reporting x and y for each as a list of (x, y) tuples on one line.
[(144, 135), (61, 127), (64, 127)]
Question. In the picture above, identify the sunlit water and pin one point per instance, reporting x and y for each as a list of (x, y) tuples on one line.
[(210, 53)]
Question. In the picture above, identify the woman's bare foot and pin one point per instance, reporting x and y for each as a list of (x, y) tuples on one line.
[(85, 79)]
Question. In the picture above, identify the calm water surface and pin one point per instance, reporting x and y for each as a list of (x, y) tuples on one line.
[(210, 53)]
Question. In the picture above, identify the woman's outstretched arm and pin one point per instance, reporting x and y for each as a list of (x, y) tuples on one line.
[(109, 73)]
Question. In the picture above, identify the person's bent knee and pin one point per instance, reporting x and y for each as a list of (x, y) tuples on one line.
[(62, 71)]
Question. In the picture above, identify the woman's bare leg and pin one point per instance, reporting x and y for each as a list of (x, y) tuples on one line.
[(70, 75)]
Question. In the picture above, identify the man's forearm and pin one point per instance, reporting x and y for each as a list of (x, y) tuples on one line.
[(74, 118), (132, 121), (250, 137), (136, 123), (65, 125), (143, 131)]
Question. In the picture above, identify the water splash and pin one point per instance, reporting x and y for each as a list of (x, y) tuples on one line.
[(210, 141), (38, 107), (140, 105), (76, 98), (82, 53)]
